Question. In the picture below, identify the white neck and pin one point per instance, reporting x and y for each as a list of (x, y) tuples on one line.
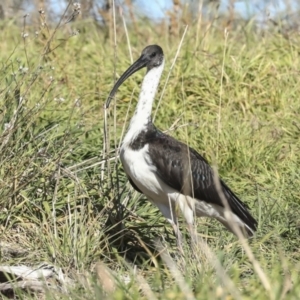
[(143, 110)]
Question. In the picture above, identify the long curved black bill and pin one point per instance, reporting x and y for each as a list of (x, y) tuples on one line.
[(139, 64)]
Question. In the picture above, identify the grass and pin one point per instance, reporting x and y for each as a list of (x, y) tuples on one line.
[(61, 203)]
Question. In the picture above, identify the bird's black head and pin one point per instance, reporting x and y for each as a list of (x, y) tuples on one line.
[(152, 57)]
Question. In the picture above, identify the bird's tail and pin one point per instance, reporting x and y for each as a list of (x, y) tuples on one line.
[(240, 212)]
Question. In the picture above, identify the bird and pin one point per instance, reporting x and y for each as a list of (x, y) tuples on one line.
[(172, 175)]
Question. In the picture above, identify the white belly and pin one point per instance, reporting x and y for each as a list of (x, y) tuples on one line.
[(137, 165)]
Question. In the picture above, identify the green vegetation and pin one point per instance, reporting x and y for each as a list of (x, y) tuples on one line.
[(234, 98)]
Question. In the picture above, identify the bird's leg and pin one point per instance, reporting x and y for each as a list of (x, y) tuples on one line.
[(169, 212), (193, 234), (178, 236), (176, 228)]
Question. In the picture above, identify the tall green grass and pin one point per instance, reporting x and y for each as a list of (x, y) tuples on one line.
[(66, 202)]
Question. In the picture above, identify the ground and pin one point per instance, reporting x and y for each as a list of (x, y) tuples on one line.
[(65, 199)]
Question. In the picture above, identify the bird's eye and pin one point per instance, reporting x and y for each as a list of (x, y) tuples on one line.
[(153, 54)]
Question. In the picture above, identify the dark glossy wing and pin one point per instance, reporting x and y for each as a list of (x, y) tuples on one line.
[(195, 179)]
